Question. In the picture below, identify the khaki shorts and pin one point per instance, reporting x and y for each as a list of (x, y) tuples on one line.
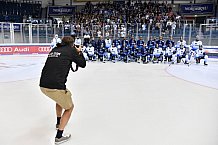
[(61, 97)]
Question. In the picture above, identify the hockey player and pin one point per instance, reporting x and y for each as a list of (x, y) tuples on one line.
[(83, 49), (86, 40), (101, 49), (127, 54), (113, 53), (132, 42), (151, 43), (193, 48), (170, 53), (140, 42), (108, 43), (170, 41), (55, 41), (117, 43), (90, 52), (78, 41), (181, 42), (160, 42), (138, 52), (145, 54), (124, 51), (133, 53), (124, 42), (93, 42), (195, 44), (101, 53), (181, 54), (150, 46), (157, 54), (201, 54), (100, 43)]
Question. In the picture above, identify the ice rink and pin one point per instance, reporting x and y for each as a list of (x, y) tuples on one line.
[(115, 104)]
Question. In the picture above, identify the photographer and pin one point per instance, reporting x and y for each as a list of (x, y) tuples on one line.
[(53, 79)]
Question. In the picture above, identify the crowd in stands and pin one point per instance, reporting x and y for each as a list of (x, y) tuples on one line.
[(116, 19), (113, 15)]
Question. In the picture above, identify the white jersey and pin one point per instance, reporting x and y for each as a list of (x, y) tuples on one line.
[(179, 43), (195, 45), (200, 52), (158, 51), (113, 50), (170, 50), (108, 43), (83, 49), (90, 50), (181, 51), (78, 41), (84, 52), (54, 42)]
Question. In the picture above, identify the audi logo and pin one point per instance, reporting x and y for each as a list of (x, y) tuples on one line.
[(44, 49), (6, 49)]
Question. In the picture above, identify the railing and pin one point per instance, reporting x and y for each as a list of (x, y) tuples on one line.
[(43, 33)]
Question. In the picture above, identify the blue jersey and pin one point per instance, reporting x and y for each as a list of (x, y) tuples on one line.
[(116, 42), (151, 44), (132, 42), (124, 42), (160, 43), (140, 43), (138, 51), (168, 42), (144, 51), (101, 51), (94, 44), (100, 44), (126, 50)]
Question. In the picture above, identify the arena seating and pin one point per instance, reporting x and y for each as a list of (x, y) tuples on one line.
[(13, 11)]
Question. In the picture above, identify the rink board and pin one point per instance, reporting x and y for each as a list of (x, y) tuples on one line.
[(43, 48)]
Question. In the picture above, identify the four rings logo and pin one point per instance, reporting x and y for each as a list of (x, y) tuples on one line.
[(6, 49), (44, 49), (24, 49)]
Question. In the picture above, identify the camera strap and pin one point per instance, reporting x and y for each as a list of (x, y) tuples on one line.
[(75, 69)]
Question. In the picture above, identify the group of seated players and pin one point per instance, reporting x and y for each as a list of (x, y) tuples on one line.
[(138, 51)]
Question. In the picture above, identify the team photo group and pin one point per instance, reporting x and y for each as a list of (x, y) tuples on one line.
[(154, 50)]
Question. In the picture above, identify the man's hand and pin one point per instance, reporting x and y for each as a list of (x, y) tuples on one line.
[(79, 48)]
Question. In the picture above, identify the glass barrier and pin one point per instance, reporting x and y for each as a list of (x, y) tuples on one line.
[(209, 34), (43, 33)]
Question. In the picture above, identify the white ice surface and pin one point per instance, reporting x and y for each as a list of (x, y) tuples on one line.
[(197, 73), (115, 104)]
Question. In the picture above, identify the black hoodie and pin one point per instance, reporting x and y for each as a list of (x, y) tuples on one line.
[(57, 66)]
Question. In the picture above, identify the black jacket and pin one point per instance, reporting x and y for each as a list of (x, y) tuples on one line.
[(57, 66)]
